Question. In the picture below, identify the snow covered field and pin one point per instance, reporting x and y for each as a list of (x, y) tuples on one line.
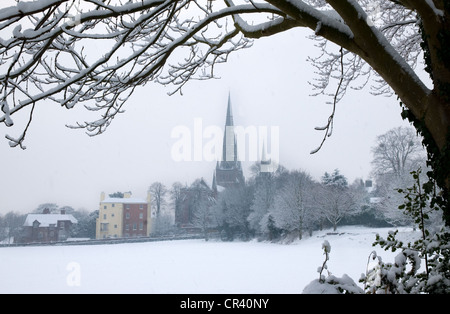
[(187, 266)]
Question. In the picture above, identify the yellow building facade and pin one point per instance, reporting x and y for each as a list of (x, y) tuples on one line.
[(123, 217)]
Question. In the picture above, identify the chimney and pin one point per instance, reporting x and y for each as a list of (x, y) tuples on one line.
[(149, 198), (63, 211), (46, 211), (127, 195), (102, 197)]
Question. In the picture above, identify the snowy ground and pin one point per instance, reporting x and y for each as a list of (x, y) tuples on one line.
[(187, 266)]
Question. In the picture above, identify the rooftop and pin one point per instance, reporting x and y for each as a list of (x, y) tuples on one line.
[(125, 200), (46, 220)]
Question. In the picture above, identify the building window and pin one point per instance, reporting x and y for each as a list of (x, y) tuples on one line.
[(127, 227), (141, 226), (115, 226), (134, 226), (141, 206), (104, 206), (141, 216), (104, 227), (113, 205), (127, 206), (104, 216), (127, 215), (112, 215)]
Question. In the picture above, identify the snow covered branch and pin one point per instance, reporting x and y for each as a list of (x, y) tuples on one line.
[(96, 52)]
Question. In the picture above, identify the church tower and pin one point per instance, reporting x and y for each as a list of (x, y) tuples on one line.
[(228, 171)]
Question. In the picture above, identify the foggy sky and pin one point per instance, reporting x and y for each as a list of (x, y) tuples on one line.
[(268, 84)]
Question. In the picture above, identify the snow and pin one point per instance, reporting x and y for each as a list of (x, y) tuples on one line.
[(46, 220), (326, 246), (25, 7), (189, 266), (330, 286), (125, 200), (329, 18)]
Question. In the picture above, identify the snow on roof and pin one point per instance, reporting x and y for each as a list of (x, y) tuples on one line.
[(46, 220), (126, 200)]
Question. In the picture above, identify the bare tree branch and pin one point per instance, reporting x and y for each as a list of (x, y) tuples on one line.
[(49, 56), (328, 128)]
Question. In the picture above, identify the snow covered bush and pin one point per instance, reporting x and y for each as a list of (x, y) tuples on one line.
[(422, 266), (331, 284)]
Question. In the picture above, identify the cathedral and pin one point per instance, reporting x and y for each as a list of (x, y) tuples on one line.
[(228, 172)]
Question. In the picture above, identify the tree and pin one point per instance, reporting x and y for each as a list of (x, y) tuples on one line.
[(389, 198), (397, 152), (51, 207), (117, 195), (11, 226), (200, 198), (158, 192), (264, 194), (46, 56), (176, 197), (336, 179), (162, 224), (269, 228), (294, 209), (85, 228), (335, 198), (232, 209), (204, 216)]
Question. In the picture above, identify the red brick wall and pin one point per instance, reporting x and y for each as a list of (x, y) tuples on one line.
[(135, 220)]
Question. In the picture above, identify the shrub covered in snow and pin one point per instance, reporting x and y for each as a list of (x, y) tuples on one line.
[(422, 266), (331, 284)]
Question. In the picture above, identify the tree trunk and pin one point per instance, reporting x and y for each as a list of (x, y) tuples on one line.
[(434, 125)]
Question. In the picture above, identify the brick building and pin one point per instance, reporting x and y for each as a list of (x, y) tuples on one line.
[(123, 217), (47, 227)]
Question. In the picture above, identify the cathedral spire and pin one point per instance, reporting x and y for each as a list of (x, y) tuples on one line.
[(229, 150), (229, 120), (229, 170)]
